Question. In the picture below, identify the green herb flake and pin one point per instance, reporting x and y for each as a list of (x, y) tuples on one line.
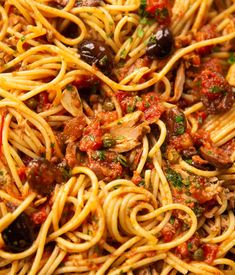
[(91, 137), (1, 173), (122, 160), (215, 89), (104, 60), (140, 32), (52, 144), (123, 54), (190, 246), (138, 99), (69, 87), (152, 39), (147, 104), (108, 142), (198, 83), (180, 130), (174, 178), (99, 155), (119, 137), (22, 39), (172, 220), (187, 181), (231, 59), (199, 120), (130, 108), (141, 183), (179, 119), (119, 122), (143, 21)]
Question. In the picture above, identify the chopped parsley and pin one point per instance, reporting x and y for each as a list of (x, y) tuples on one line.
[(215, 89), (172, 220), (99, 155), (142, 12), (174, 178), (153, 39), (103, 61), (180, 130), (162, 13), (198, 83), (91, 137), (123, 54), (108, 142), (22, 39), (122, 160), (147, 104), (130, 108), (179, 119), (190, 246), (199, 120), (141, 183), (140, 32), (231, 59)]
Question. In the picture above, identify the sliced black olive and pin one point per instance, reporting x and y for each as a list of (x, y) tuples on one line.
[(160, 44), (97, 53), (19, 235), (43, 175)]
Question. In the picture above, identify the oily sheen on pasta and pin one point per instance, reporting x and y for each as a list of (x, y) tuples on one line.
[(117, 137)]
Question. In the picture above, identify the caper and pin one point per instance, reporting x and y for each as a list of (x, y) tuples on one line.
[(198, 255)]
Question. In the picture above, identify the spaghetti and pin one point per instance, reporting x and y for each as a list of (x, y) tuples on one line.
[(117, 137)]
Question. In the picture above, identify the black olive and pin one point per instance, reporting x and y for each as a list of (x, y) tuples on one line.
[(19, 235), (160, 44), (43, 175), (97, 53)]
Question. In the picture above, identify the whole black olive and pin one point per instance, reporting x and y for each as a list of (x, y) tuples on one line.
[(160, 44), (19, 235), (97, 53)]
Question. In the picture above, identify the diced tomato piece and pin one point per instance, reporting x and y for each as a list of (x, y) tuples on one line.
[(182, 250), (86, 81), (148, 103), (206, 32), (136, 179), (151, 107), (210, 252), (212, 84), (40, 216), (107, 117), (160, 9), (22, 173), (168, 232), (213, 64), (92, 137)]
